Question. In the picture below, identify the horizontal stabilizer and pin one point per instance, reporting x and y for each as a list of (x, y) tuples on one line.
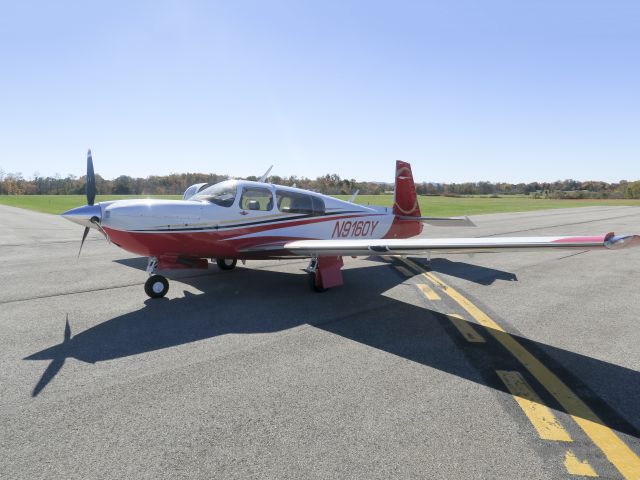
[(442, 221)]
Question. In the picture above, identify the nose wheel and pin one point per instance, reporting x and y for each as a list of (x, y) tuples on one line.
[(156, 286)]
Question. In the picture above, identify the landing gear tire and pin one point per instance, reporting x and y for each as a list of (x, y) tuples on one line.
[(156, 286), (312, 283), (226, 263)]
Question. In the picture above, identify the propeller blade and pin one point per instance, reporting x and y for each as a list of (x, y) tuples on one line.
[(84, 236), (91, 180)]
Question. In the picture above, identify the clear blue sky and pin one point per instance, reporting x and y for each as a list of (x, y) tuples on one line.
[(464, 90)]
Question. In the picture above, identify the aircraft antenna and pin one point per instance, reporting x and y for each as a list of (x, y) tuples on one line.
[(264, 177)]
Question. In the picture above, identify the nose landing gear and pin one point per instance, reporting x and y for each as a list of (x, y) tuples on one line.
[(156, 286)]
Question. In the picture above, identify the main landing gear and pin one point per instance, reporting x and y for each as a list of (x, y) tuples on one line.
[(324, 273), (313, 273), (156, 286), (226, 263)]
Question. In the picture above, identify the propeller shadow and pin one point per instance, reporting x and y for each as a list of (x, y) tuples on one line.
[(247, 301), (58, 357)]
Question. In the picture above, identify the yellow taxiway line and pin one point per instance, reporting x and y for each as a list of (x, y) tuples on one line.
[(616, 451), (540, 416), (405, 271), (429, 292), (578, 467), (465, 328)]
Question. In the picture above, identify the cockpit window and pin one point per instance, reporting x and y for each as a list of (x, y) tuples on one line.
[(223, 193), (256, 198), (294, 202)]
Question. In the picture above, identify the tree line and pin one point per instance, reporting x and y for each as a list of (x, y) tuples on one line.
[(177, 183)]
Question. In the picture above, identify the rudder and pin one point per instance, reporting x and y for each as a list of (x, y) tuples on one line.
[(405, 201)]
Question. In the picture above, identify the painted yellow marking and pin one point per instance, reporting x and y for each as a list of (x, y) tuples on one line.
[(541, 416), (428, 292), (465, 328), (618, 452), (578, 467), (405, 271)]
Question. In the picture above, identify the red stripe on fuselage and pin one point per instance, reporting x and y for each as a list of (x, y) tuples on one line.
[(209, 243), (253, 228)]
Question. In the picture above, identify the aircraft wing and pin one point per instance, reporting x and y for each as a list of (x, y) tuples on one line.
[(414, 246)]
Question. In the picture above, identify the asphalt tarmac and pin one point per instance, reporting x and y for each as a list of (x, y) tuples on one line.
[(249, 374)]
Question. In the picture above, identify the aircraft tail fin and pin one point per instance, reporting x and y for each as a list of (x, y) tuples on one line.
[(405, 202)]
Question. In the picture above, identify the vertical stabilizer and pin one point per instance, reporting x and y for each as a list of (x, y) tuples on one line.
[(405, 202)]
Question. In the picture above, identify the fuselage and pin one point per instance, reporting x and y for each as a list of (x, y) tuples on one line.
[(241, 219)]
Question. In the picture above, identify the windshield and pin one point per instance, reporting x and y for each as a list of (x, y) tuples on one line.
[(223, 193)]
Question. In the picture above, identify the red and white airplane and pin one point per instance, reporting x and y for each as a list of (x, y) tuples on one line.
[(241, 220)]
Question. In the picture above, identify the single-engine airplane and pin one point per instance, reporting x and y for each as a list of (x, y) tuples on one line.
[(242, 220)]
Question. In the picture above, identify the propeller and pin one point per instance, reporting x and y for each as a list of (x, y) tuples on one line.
[(91, 197), (91, 214)]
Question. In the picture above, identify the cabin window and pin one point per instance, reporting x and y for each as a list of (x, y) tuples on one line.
[(223, 193), (256, 198), (294, 202)]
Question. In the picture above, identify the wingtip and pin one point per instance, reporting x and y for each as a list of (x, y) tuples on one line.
[(613, 241)]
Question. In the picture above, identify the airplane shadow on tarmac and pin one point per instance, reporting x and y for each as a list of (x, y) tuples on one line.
[(257, 300), (470, 272)]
